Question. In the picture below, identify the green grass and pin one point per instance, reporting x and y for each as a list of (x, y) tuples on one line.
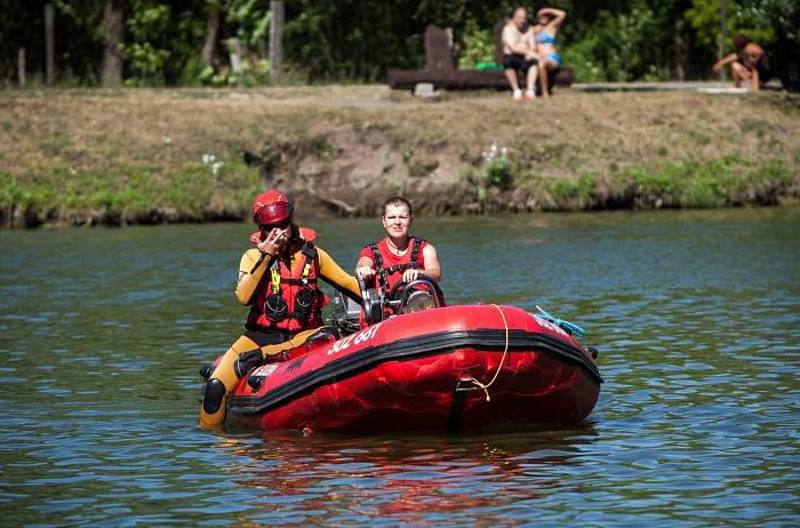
[(725, 181), (130, 194), (565, 191), (715, 183)]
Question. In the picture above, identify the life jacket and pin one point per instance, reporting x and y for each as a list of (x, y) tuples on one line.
[(294, 287), (388, 276)]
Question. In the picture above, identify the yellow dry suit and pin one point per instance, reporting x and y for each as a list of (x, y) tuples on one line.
[(261, 338)]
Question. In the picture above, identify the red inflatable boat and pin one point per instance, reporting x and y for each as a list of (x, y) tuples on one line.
[(467, 367)]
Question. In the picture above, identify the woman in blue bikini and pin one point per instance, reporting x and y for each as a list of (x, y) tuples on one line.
[(545, 34)]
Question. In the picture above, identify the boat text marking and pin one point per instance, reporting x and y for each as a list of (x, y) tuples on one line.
[(354, 339)]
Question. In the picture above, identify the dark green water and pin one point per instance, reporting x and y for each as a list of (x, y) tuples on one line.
[(697, 316)]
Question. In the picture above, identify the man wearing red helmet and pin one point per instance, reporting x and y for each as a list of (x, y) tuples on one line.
[(278, 281)]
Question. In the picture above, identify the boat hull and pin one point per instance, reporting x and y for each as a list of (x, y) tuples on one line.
[(457, 368)]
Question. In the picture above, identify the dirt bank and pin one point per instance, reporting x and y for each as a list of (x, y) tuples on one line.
[(149, 156)]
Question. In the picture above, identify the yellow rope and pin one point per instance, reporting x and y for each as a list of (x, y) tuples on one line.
[(485, 386)]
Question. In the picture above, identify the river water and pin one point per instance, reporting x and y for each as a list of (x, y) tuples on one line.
[(696, 315)]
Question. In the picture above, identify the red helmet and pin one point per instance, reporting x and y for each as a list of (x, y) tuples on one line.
[(271, 207)]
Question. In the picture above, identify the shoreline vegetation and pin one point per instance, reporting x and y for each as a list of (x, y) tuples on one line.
[(149, 156)]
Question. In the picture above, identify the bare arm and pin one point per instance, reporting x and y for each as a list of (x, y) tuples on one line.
[(519, 48), (365, 268), (431, 258), (531, 46), (723, 61), (430, 266), (558, 16)]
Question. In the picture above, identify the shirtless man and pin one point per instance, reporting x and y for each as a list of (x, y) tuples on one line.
[(519, 55)]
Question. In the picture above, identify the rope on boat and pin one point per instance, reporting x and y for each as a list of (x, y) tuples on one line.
[(485, 386)]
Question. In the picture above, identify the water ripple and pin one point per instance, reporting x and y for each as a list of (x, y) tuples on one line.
[(696, 314)]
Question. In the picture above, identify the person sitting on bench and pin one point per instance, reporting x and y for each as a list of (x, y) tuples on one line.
[(545, 34), (519, 56)]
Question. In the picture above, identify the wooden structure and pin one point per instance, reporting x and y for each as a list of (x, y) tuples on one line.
[(440, 67), (441, 72)]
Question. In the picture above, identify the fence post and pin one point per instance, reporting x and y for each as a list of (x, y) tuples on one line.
[(21, 67), (235, 53)]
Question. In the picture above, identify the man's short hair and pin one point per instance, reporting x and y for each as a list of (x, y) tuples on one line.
[(396, 200)]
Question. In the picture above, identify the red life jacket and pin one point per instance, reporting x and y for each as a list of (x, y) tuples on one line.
[(389, 275), (288, 283)]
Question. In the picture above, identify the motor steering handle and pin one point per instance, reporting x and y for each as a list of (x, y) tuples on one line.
[(372, 302)]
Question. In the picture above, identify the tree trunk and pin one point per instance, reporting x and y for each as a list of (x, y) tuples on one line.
[(276, 42), (212, 30), (114, 33), (21, 67), (49, 43)]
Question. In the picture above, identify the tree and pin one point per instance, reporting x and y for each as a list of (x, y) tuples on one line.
[(49, 40), (212, 32), (177, 41), (114, 32), (784, 52), (276, 42)]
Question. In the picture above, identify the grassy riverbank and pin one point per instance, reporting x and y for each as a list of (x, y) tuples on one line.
[(149, 156)]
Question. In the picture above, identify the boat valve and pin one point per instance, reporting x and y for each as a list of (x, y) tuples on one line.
[(255, 382), (206, 370)]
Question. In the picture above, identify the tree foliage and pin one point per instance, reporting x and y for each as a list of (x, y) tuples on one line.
[(358, 40), (622, 46)]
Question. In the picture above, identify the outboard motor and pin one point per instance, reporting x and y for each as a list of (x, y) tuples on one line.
[(421, 294), (346, 314), (373, 302)]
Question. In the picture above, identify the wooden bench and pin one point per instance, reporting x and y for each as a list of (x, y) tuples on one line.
[(440, 70), (440, 67)]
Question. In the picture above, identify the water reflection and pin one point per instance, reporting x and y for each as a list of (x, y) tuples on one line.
[(416, 479)]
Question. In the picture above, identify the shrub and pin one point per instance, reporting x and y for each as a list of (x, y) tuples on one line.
[(498, 167), (478, 47)]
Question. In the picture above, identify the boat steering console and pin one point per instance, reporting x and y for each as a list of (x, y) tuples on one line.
[(420, 294), (423, 293)]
